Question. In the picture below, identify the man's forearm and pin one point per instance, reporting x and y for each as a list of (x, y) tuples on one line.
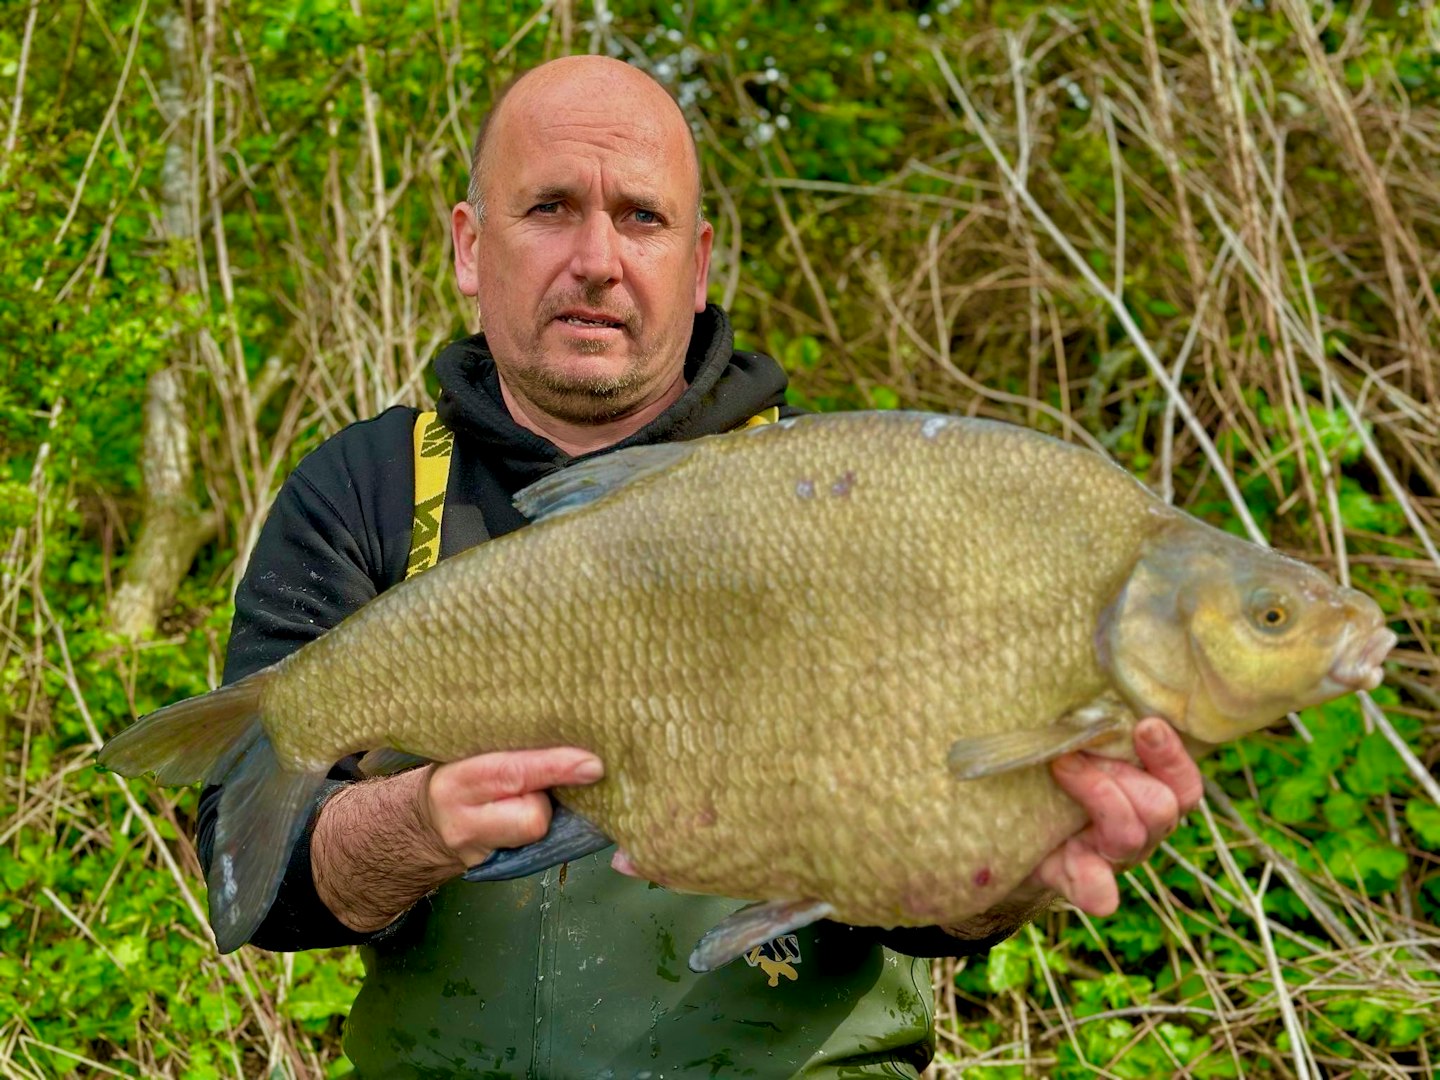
[(374, 853), (383, 844)]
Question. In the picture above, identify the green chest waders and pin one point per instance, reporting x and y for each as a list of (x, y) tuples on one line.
[(579, 972)]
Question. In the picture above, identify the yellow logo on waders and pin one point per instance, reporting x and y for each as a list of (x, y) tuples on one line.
[(777, 957)]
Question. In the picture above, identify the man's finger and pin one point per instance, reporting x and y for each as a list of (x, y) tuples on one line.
[(1083, 877), (1153, 802), (473, 830), (1117, 831), (510, 823), (1164, 756), (505, 774)]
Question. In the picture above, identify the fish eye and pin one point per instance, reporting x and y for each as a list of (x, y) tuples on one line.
[(1269, 611)]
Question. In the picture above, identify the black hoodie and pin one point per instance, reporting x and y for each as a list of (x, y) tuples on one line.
[(339, 534)]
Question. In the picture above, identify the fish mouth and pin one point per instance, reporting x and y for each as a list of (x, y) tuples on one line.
[(1361, 669)]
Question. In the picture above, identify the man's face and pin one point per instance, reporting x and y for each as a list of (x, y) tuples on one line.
[(589, 264)]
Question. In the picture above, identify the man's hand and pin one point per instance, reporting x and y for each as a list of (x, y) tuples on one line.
[(381, 845), (478, 804), (1131, 810)]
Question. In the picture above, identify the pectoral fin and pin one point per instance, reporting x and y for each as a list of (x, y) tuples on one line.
[(751, 926), (571, 837), (1006, 751)]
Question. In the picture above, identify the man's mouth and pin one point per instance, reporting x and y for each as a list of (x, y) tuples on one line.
[(595, 321)]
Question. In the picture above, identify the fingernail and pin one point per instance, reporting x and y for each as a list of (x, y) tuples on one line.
[(587, 772), (1069, 764), (1153, 735)]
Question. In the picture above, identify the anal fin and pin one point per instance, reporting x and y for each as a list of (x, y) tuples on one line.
[(753, 925), (1005, 751), (570, 837)]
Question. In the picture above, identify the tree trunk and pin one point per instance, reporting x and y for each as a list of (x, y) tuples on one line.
[(173, 527)]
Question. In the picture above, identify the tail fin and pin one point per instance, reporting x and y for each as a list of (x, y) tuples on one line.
[(218, 737), (199, 738)]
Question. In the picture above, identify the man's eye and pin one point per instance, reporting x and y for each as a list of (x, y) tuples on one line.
[(546, 208), (647, 217)]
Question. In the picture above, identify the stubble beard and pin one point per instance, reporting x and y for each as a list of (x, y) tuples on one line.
[(584, 398)]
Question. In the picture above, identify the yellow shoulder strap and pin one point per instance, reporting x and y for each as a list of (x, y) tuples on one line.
[(433, 442), (767, 416)]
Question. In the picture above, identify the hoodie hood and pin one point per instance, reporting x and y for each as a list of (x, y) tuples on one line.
[(725, 388)]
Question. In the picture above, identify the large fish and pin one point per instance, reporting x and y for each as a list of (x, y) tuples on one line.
[(873, 627)]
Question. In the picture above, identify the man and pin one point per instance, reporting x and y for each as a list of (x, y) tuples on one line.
[(585, 249)]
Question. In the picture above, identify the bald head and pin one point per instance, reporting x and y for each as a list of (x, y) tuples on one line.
[(590, 259), (599, 84)]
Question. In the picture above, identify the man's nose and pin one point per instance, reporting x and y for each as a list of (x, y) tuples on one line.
[(596, 258)]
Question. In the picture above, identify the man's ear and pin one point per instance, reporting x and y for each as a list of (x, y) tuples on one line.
[(465, 233), (703, 244)]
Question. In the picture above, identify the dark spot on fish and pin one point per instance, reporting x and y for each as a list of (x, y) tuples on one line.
[(843, 486), (564, 870), (982, 877), (805, 489)]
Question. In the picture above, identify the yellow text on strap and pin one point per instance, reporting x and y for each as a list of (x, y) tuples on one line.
[(433, 443)]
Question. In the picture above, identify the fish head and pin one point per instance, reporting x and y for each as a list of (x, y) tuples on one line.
[(1222, 637)]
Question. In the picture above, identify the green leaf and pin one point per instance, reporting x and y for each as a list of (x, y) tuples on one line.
[(882, 397), (1424, 818), (1361, 510), (1008, 966), (1378, 867), (1294, 799), (1343, 810), (1376, 766)]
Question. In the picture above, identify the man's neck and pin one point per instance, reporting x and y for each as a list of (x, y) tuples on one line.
[(577, 439)]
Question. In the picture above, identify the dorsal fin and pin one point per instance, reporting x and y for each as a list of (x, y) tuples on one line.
[(585, 482)]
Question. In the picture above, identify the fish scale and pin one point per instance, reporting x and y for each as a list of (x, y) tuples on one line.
[(779, 640)]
